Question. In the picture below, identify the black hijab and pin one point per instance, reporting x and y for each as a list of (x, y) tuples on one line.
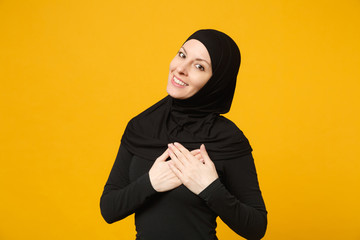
[(195, 120)]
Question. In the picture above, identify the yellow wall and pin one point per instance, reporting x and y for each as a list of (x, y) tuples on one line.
[(74, 72)]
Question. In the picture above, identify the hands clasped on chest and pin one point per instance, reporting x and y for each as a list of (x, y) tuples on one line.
[(194, 169)]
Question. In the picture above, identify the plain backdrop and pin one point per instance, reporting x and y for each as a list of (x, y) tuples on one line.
[(73, 73)]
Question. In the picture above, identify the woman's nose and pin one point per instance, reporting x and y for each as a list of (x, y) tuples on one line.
[(182, 68)]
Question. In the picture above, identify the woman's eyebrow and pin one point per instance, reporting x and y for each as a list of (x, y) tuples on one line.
[(198, 59), (183, 49)]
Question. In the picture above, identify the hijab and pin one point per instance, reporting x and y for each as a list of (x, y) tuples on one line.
[(195, 120)]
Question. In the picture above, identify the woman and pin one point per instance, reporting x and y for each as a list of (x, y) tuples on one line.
[(181, 164)]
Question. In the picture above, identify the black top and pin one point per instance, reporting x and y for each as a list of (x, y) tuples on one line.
[(179, 214)]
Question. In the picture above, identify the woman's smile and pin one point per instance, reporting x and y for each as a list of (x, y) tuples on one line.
[(178, 82)]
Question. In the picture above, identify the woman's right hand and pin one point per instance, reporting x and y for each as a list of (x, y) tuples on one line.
[(161, 176)]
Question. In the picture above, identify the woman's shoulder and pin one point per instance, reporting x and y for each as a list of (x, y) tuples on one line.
[(152, 110), (227, 125), (231, 142)]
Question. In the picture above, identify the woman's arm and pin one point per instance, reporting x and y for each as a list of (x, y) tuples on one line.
[(238, 200), (121, 197)]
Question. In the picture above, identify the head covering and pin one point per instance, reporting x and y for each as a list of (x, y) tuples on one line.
[(195, 120), (217, 94)]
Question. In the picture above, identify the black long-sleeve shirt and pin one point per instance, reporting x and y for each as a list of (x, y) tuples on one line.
[(180, 214)]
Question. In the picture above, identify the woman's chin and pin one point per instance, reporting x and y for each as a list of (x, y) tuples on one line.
[(176, 94)]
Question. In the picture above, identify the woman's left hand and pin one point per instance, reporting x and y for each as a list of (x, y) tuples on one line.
[(195, 174)]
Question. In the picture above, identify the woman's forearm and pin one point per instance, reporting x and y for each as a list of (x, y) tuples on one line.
[(116, 204), (249, 222)]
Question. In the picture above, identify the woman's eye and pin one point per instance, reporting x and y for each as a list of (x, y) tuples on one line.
[(200, 67), (181, 54)]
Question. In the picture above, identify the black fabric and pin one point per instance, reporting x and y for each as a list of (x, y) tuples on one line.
[(179, 214), (196, 120), (216, 96)]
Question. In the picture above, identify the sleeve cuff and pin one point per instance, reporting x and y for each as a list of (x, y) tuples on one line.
[(210, 190), (147, 188)]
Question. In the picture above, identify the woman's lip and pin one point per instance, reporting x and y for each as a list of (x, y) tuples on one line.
[(176, 84)]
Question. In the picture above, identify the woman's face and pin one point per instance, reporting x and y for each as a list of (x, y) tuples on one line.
[(189, 70)]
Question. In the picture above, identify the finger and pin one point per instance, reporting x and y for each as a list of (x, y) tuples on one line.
[(181, 148), (179, 155), (184, 151), (175, 170), (195, 152), (198, 156), (204, 154), (163, 157), (175, 160)]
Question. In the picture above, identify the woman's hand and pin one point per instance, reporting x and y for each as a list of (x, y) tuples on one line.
[(194, 174), (162, 178)]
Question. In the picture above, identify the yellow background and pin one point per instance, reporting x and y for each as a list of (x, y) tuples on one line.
[(74, 72)]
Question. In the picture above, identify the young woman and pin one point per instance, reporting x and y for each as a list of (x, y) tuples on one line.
[(181, 164)]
